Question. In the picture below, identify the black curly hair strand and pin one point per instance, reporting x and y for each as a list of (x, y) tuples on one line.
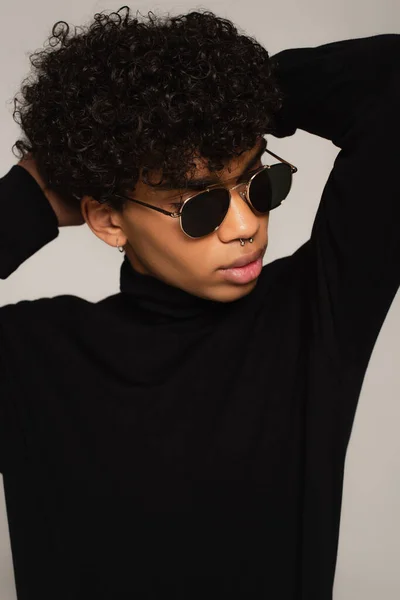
[(124, 96)]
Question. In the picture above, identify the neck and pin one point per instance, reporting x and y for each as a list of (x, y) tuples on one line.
[(153, 295)]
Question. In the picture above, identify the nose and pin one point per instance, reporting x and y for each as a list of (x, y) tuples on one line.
[(240, 220)]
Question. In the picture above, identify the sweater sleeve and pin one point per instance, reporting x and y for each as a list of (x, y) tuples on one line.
[(27, 223), (349, 92)]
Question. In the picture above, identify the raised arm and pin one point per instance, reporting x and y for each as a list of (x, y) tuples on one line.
[(31, 214), (328, 88), (349, 92), (30, 218)]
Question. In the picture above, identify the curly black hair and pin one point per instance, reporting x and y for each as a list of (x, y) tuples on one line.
[(121, 94)]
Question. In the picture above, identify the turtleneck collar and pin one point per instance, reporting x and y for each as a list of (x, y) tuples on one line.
[(156, 296)]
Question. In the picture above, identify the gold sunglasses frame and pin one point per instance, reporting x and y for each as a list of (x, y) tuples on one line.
[(244, 194)]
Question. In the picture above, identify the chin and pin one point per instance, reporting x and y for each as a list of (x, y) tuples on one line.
[(233, 292)]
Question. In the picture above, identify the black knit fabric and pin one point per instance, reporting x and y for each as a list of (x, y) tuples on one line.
[(157, 445)]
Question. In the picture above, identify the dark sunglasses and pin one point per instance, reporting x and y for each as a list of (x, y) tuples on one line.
[(203, 212)]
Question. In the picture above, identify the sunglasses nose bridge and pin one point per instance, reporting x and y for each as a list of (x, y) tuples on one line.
[(242, 193)]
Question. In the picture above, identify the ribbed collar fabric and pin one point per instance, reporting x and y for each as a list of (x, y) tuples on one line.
[(156, 296)]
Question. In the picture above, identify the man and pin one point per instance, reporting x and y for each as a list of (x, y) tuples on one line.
[(187, 436)]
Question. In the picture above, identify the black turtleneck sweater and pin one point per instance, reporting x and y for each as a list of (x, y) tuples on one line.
[(155, 444)]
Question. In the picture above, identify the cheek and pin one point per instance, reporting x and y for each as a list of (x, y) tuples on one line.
[(145, 224), (152, 232)]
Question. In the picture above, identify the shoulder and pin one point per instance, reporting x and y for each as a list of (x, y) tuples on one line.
[(65, 311)]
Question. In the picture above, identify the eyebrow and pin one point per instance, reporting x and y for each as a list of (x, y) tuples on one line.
[(203, 182)]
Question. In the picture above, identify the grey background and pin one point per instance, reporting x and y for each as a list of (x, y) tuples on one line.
[(78, 263)]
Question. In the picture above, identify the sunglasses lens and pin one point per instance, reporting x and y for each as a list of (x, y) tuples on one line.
[(260, 192), (269, 187), (203, 213)]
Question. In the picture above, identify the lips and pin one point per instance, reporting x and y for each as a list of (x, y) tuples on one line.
[(246, 259)]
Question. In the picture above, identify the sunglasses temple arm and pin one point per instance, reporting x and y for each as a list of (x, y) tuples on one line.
[(294, 169)]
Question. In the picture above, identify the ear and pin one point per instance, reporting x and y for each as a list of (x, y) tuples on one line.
[(105, 222)]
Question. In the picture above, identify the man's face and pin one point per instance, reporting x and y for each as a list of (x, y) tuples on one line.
[(156, 245)]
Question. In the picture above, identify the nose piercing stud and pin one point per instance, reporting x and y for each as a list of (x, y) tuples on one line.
[(242, 242)]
